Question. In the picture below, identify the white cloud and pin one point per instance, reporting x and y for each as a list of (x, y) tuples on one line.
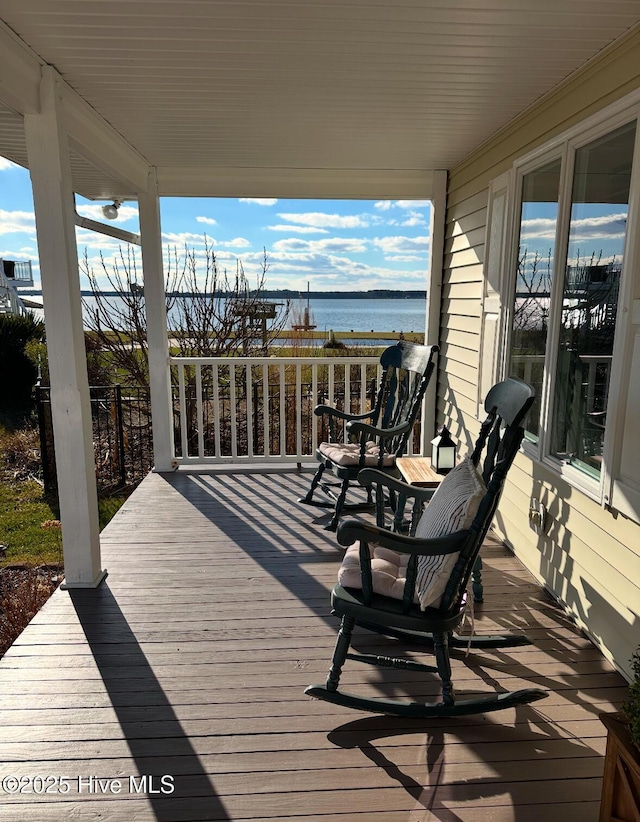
[(17, 222), (298, 229), (540, 227), (611, 226), (207, 220), (237, 242), (5, 164), (385, 205), (333, 244), (320, 219), (404, 258), (415, 218), (334, 272), (412, 203), (25, 254), (263, 201), (94, 212), (402, 245), (183, 238), (94, 240)]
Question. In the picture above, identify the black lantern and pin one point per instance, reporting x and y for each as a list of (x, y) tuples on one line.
[(443, 452)]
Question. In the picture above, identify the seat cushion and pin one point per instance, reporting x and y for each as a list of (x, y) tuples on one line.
[(349, 454), (388, 570), (452, 508)]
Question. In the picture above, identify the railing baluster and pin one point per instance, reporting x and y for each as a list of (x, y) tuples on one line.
[(298, 409), (591, 384), (330, 387), (363, 387), (265, 410), (183, 412), (233, 400), (314, 402), (216, 409), (347, 388), (249, 402), (283, 413), (409, 448), (200, 416)]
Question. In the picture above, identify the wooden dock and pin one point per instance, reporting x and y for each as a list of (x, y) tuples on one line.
[(175, 690)]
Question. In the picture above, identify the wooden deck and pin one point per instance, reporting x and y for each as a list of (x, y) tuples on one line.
[(191, 659)]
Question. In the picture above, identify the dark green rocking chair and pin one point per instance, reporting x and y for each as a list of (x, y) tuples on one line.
[(377, 437), (414, 587)]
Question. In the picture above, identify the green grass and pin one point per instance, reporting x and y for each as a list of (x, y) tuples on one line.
[(23, 509), (108, 506)]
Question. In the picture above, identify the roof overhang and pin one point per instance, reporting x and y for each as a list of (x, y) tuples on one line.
[(347, 100)]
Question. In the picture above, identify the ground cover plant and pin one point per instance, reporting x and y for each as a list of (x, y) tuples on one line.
[(31, 562)]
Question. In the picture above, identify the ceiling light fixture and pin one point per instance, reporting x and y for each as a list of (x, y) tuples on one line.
[(111, 211)]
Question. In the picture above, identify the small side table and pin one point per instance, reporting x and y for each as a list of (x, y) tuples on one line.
[(415, 471), (418, 471)]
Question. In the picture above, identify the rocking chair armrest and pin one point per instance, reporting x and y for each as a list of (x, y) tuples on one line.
[(329, 411), (373, 432), (351, 530), (372, 476)]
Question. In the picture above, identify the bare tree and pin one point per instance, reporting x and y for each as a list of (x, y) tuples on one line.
[(210, 313), (533, 291)]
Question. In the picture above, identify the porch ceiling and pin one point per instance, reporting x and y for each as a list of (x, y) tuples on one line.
[(244, 96)]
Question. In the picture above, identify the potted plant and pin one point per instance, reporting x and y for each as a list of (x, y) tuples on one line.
[(620, 799)]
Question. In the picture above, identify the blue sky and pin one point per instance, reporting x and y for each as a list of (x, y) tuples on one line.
[(335, 245)]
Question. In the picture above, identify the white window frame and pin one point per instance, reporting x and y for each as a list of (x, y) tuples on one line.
[(564, 146)]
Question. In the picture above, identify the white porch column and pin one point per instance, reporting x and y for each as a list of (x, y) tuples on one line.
[(155, 305), (434, 297), (54, 211)]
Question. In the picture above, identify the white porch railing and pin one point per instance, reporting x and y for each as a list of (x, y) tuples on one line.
[(254, 409), (595, 380)]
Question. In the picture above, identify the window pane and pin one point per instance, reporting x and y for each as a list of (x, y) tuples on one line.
[(533, 282), (590, 295)]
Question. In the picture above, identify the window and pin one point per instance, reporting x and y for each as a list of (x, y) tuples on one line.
[(589, 300), (534, 275), (566, 273)]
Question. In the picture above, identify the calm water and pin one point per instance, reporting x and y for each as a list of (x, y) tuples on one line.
[(358, 315), (368, 315)]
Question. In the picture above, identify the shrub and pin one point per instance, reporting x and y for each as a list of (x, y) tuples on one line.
[(632, 705), (22, 593), (20, 455), (18, 373)]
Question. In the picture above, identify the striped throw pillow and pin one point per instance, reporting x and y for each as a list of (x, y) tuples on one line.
[(452, 508)]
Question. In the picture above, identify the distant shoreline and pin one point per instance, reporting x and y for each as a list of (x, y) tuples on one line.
[(270, 294), (379, 294)]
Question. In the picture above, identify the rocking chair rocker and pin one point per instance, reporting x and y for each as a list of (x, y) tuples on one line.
[(414, 587), (378, 436)]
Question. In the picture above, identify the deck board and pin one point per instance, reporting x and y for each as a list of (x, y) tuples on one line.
[(191, 660)]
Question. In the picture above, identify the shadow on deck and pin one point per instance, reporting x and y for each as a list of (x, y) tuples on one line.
[(175, 690)]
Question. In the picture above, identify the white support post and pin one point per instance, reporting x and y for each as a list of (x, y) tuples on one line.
[(434, 298), (155, 304), (70, 404)]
